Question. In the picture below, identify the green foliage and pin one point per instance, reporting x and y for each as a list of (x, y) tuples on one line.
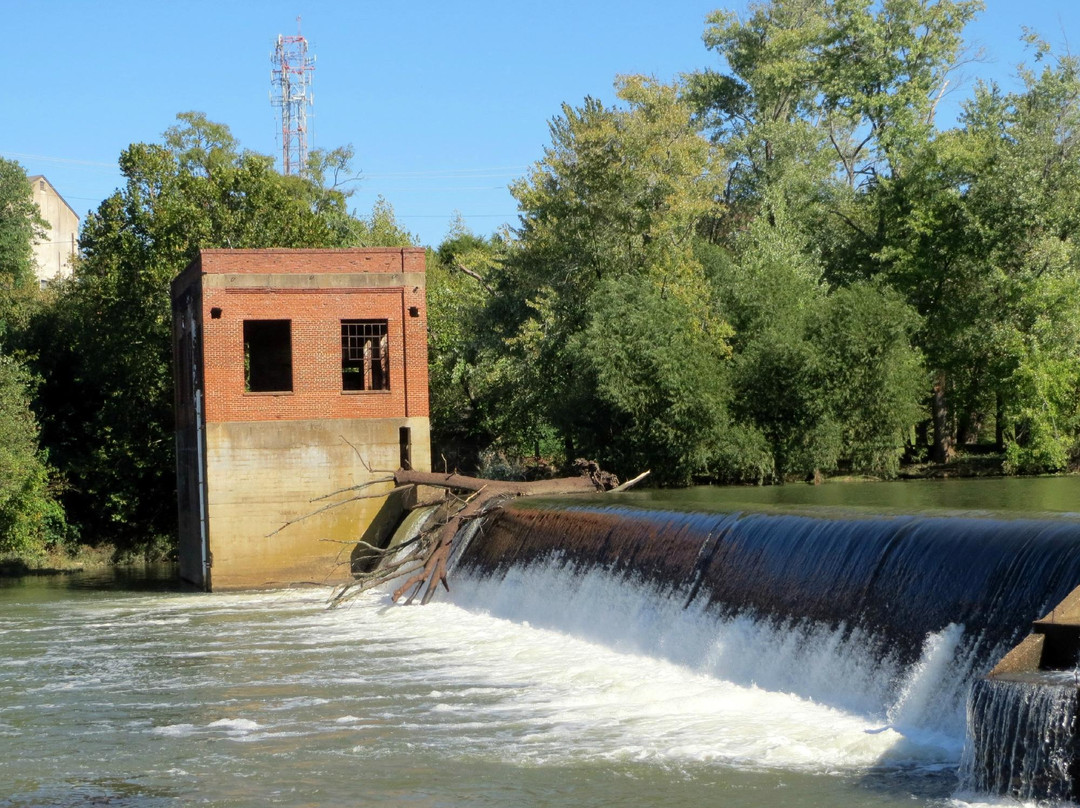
[(1023, 202), (770, 288), (458, 294), (873, 377), (616, 201), (104, 350), (665, 302), (20, 225), (661, 372), (30, 517), (379, 229), (31, 520)]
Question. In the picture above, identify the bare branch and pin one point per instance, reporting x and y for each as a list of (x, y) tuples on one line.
[(422, 560), (325, 508), (476, 276), (357, 488), (359, 456), (850, 223), (631, 483)]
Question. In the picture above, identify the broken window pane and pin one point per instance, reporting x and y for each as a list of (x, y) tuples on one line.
[(365, 363)]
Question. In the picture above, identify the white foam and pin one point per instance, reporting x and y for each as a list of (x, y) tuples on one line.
[(235, 725), (963, 800), (609, 669), (927, 696), (175, 730)]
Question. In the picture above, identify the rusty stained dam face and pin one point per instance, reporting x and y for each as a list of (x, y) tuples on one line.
[(896, 617)]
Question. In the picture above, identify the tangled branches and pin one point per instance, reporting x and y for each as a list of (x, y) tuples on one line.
[(422, 560)]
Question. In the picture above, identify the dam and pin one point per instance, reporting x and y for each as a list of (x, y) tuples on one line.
[(917, 609), (550, 677)]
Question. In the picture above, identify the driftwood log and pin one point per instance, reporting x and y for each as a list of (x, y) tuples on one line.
[(422, 560)]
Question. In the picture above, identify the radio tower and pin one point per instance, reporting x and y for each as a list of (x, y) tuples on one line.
[(290, 79)]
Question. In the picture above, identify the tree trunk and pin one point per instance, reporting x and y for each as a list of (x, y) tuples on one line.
[(999, 423), (425, 565), (560, 485), (942, 448), (964, 429)]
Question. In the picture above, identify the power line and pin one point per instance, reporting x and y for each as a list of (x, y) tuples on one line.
[(69, 160), (433, 188), (448, 173), (481, 172), (451, 216)]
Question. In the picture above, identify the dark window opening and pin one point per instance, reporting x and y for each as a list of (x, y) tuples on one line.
[(365, 362), (267, 356), (405, 447)]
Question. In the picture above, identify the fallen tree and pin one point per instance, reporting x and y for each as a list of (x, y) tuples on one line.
[(422, 560)]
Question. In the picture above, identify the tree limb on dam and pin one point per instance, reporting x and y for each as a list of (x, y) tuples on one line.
[(422, 560)]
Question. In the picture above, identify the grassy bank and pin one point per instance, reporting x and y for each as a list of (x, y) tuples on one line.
[(55, 562)]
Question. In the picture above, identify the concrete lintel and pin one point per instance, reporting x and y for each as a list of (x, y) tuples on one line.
[(315, 281)]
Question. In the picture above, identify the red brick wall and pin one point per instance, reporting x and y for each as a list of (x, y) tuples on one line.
[(316, 313), (368, 259)]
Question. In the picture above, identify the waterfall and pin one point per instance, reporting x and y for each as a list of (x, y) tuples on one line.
[(1021, 739), (892, 618), (898, 579)]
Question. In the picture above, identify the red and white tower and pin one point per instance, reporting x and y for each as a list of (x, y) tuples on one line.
[(291, 78)]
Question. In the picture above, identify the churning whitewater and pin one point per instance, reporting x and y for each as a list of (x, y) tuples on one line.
[(583, 657), (541, 687), (677, 683)]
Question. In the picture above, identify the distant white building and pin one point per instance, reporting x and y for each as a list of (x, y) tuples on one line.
[(53, 253)]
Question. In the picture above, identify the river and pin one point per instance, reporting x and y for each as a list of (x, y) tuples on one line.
[(536, 690)]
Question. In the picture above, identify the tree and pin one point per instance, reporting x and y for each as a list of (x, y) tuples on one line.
[(660, 373), (379, 229), (826, 115), (30, 518), (770, 285), (1022, 200), (873, 377), (459, 277), (616, 199), (20, 225), (104, 347)]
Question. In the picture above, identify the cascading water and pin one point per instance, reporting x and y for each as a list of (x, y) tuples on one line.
[(888, 618), (1022, 739)]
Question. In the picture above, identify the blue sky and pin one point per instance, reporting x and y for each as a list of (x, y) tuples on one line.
[(445, 104)]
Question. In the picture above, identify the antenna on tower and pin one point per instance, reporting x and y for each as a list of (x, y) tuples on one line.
[(290, 79)]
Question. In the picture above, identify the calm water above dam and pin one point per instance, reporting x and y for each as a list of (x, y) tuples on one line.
[(543, 687), (1026, 495)]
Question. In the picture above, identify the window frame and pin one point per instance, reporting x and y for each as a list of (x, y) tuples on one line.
[(365, 355), (262, 375)]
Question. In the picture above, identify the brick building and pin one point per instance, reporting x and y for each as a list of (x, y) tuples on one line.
[(297, 373)]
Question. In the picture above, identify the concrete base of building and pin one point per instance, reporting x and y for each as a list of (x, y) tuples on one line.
[(282, 499)]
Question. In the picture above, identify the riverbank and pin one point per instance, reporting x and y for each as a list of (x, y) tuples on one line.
[(59, 562), (82, 558), (963, 466)]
